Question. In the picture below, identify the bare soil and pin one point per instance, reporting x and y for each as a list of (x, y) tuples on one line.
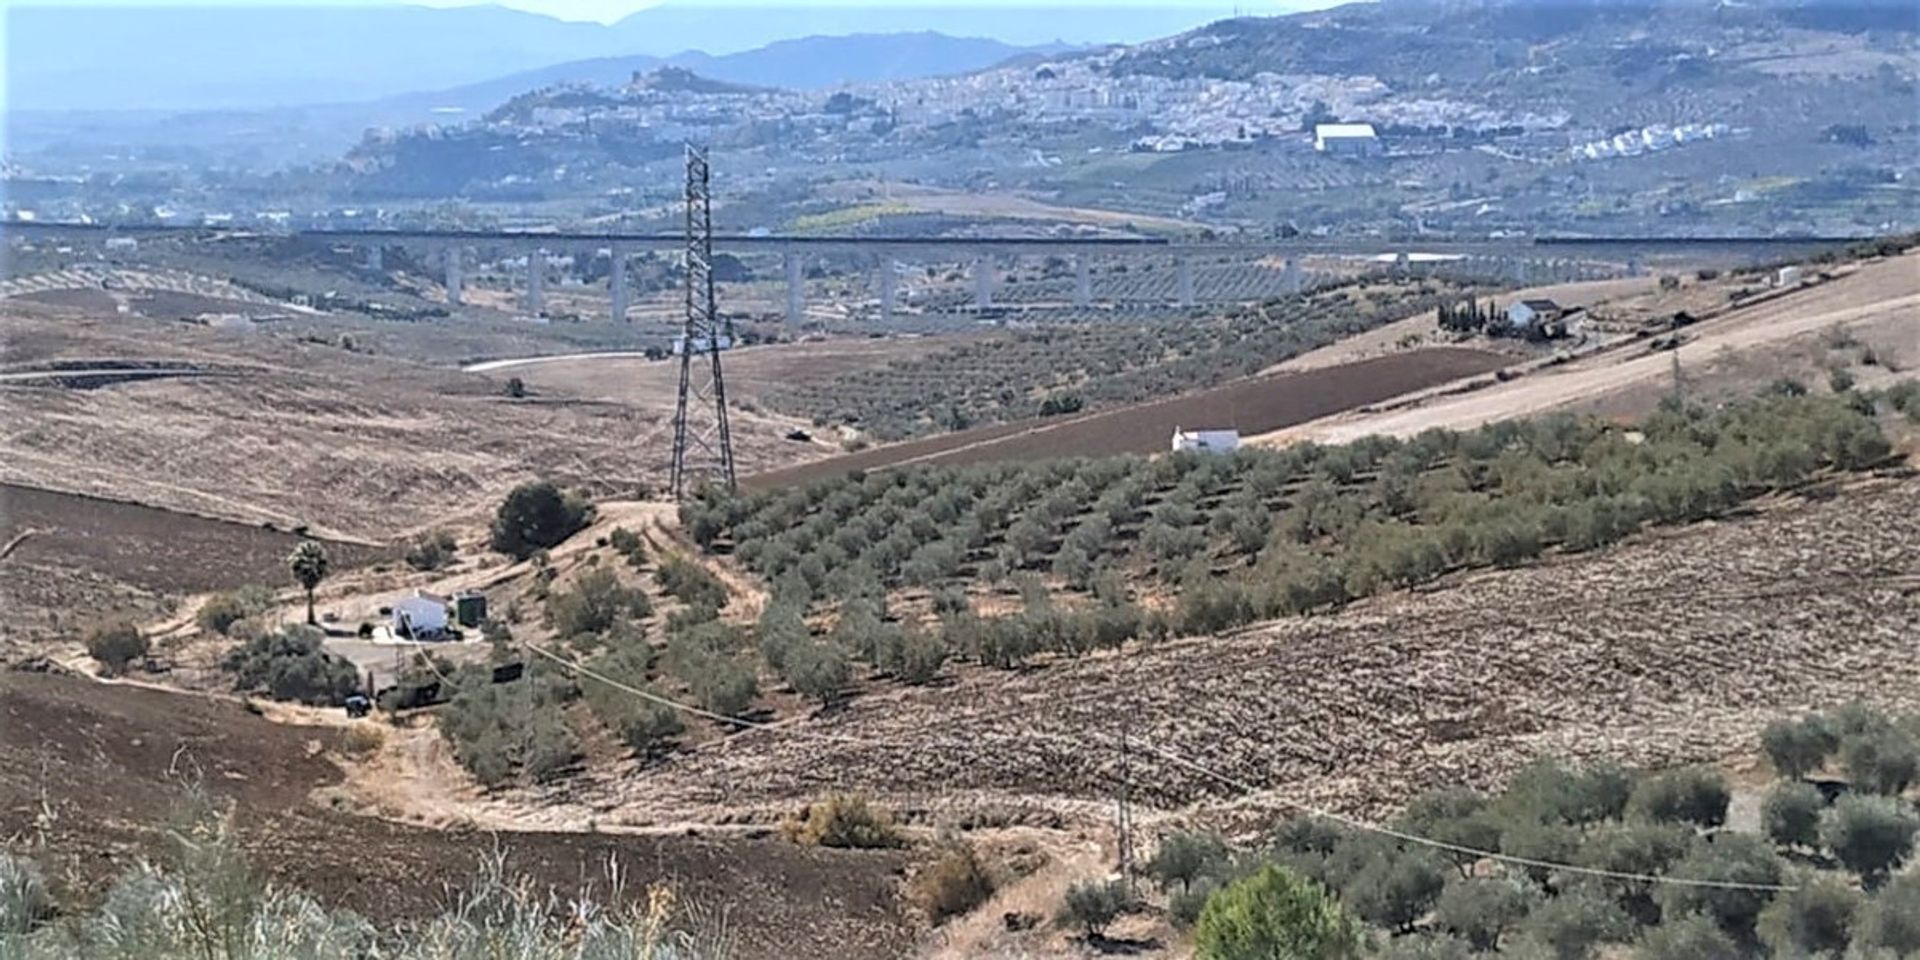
[(1675, 647), (91, 773)]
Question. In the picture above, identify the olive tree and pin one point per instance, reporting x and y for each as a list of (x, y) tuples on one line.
[(1791, 815), (1872, 836)]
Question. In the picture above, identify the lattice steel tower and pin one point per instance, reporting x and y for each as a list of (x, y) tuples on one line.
[(702, 443)]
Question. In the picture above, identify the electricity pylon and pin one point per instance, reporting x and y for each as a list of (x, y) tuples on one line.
[(702, 443)]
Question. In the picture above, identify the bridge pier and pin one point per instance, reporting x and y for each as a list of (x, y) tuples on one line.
[(1293, 279), (617, 285), (1082, 281), (536, 279), (1634, 267), (889, 276), (1183, 281), (796, 288), (376, 258), (453, 278), (982, 282)]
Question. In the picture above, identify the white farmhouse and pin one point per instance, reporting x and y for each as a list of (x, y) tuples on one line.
[(422, 616), (1527, 314), (1205, 441), (1346, 139)]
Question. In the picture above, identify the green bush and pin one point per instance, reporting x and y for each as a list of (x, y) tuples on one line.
[(430, 550), (1481, 910), (596, 603), (291, 664), (115, 645), (1891, 920), (1186, 857), (1093, 904), (645, 725), (1571, 925), (818, 671), (1872, 836), (1694, 795), (1275, 915), (1395, 891), (221, 611), (24, 903), (1791, 815), (722, 685), (1814, 920), (1687, 938), (1726, 857), (1882, 761), (1799, 747), (537, 516), (1460, 816), (691, 583)]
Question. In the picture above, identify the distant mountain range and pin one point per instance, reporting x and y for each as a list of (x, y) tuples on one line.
[(217, 58)]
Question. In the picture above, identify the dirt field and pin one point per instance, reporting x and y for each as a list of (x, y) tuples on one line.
[(1675, 647), (90, 773), (1738, 351), (1253, 406)]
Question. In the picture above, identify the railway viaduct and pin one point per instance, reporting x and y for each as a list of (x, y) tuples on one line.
[(1519, 260)]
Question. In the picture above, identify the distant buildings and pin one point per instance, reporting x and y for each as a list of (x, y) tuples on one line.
[(1205, 441), (1346, 139)]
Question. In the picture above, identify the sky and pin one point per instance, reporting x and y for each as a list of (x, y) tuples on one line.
[(608, 11)]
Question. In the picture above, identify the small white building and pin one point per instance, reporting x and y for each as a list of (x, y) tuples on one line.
[(1527, 314), (422, 616), (1787, 277), (1205, 441), (1346, 139)]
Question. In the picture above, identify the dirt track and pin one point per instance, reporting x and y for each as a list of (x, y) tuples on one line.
[(1631, 378), (1255, 405), (90, 772)]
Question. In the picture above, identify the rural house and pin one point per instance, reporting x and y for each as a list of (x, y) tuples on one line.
[(422, 616), (1527, 314), (1346, 139), (1206, 441)]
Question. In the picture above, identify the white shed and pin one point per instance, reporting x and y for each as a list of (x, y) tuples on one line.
[(1350, 139), (1787, 277), (1206, 441), (1527, 314), (420, 617)]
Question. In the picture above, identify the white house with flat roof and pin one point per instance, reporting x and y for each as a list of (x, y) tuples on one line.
[(1346, 139)]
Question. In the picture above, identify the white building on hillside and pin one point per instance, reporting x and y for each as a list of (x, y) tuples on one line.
[(1205, 441), (1346, 139), (422, 616)]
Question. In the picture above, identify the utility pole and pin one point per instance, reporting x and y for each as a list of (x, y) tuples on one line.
[(1125, 813), (702, 443)]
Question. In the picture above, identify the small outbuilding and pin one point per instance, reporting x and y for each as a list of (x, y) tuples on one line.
[(422, 616), (1346, 139), (1205, 441), (1527, 314)]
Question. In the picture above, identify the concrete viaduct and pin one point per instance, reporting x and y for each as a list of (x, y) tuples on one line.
[(1519, 260)]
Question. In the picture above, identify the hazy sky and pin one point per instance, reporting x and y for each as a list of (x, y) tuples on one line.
[(608, 11)]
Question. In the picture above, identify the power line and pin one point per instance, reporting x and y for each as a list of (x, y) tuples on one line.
[(1180, 761)]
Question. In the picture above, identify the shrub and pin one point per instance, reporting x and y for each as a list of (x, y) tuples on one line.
[(817, 670), (1570, 925), (536, 516), (1872, 836), (1455, 815), (290, 664), (722, 685), (115, 645), (1687, 938), (23, 896), (1481, 910), (628, 544), (1814, 920), (691, 583), (221, 611), (1275, 914), (845, 820), (1728, 857), (918, 657), (1428, 946), (1882, 761), (1799, 747), (597, 601), (430, 551), (1184, 857), (1693, 794), (953, 884), (1891, 920), (1394, 891), (1791, 815), (1093, 904), (645, 725), (549, 748)]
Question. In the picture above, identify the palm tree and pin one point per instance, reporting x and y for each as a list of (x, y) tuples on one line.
[(308, 561)]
